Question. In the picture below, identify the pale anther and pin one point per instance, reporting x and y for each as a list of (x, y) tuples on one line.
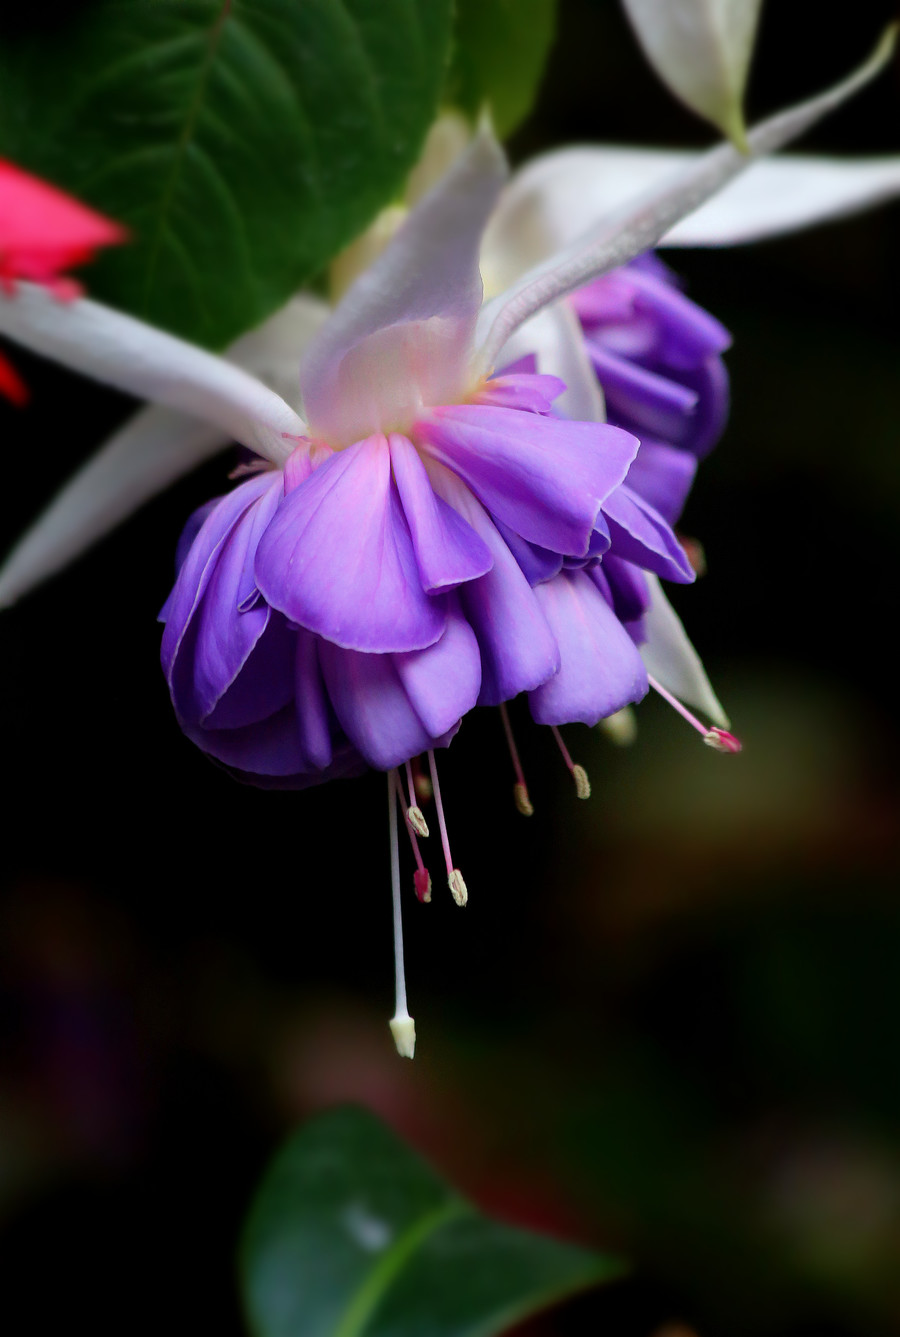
[(416, 819), (457, 886)]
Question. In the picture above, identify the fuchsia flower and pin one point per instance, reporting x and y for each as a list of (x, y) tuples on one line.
[(433, 533), (43, 232)]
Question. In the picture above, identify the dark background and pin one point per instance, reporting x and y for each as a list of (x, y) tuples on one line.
[(668, 1021)]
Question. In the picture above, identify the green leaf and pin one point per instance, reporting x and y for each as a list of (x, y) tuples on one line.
[(352, 1235), (499, 58), (244, 143)]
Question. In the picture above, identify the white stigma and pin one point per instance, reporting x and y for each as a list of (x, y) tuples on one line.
[(403, 1029), (402, 1025)]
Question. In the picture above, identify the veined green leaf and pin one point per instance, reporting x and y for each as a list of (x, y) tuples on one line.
[(243, 143), (352, 1235)]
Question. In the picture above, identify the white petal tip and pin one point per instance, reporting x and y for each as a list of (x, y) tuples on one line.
[(403, 1029)]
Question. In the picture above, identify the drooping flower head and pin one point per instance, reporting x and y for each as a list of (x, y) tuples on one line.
[(435, 533)]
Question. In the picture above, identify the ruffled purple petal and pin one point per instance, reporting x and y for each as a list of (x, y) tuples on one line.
[(626, 587), (347, 764), (338, 558), (641, 535), (518, 650), (315, 718), (639, 396), (443, 681), (600, 668), (448, 551), (372, 706), (543, 477), (663, 475), (537, 564), (264, 682), (516, 390), (710, 381), (269, 747), (207, 639)]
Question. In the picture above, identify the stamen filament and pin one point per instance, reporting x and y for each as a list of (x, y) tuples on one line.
[(579, 774), (520, 789), (454, 877), (718, 739), (403, 1027)]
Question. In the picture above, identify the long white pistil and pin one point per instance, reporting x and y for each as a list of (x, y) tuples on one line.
[(403, 1028)]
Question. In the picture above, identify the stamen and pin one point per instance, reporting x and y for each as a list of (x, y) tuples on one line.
[(520, 789), (421, 877), (718, 739), (403, 1028), (414, 814), (579, 774), (454, 877)]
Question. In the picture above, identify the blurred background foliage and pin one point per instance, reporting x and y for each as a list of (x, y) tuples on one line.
[(668, 1022)]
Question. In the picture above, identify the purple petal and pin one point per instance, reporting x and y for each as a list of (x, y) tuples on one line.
[(655, 402), (448, 551), (600, 669), (544, 477), (517, 390), (703, 429), (663, 475), (314, 715), (206, 639), (270, 747), (518, 650), (627, 586), (443, 681), (264, 682), (338, 558), (537, 564), (372, 706), (641, 535)]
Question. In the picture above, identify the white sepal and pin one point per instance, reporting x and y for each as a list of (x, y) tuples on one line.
[(152, 450), (701, 49), (150, 364), (637, 227), (670, 658), (558, 196), (401, 334)]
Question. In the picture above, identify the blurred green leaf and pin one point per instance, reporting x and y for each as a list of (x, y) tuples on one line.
[(499, 58), (244, 143), (351, 1234)]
